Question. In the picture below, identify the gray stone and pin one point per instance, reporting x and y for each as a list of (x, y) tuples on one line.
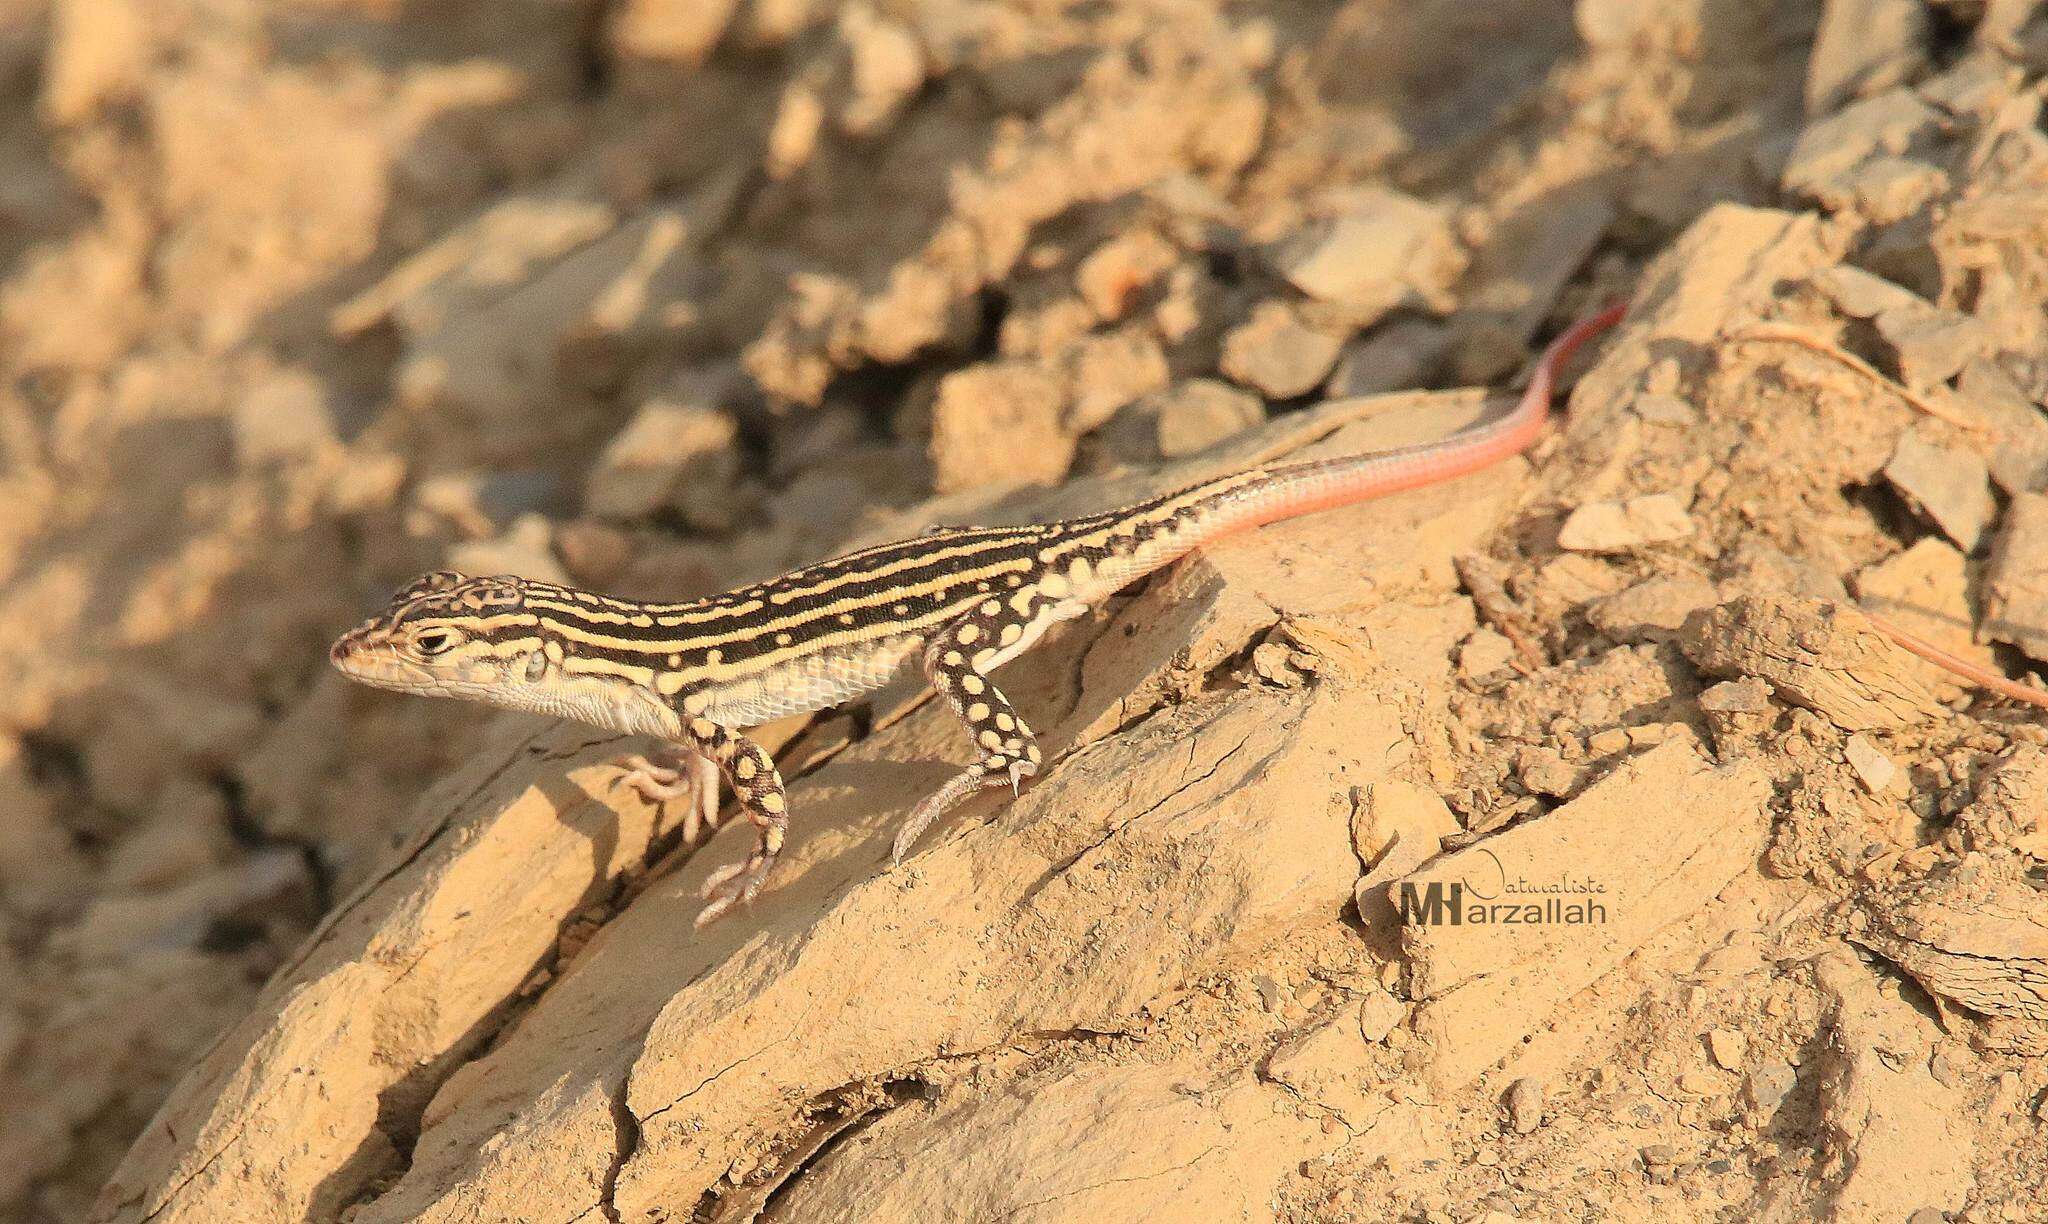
[(1950, 485), (1386, 250), (1202, 412), (1395, 357), (1932, 345), (1278, 354), (285, 417), (1864, 46), (1766, 1088)]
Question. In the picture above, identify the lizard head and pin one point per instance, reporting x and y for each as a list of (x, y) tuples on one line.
[(444, 634)]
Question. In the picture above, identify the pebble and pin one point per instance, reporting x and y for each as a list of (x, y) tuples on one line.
[(1726, 1047), (1698, 1083), (1202, 412), (1609, 742), (1397, 356), (1545, 772), (1483, 653), (1378, 1014), (1873, 768), (1766, 1088), (1865, 295), (1374, 257), (1863, 46), (668, 454), (1613, 526), (1949, 485), (1932, 345), (1525, 1105), (285, 417), (1277, 354)]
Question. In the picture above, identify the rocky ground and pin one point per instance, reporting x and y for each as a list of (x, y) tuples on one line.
[(300, 298)]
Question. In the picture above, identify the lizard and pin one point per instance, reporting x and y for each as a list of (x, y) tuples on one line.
[(961, 600)]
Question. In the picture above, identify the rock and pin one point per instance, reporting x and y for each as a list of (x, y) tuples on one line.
[(1727, 1047), (1387, 250), (1898, 1135), (1112, 276), (2007, 812), (1864, 46), (1525, 1105), (526, 550), (885, 66), (1931, 345), (671, 454), (999, 424), (2019, 462), (1277, 354), (2016, 581), (1766, 1088), (1109, 371), (1653, 609), (1832, 154), (1865, 295), (1925, 591), (1395, 357), (1483, 653), (1824, 656), (1950, 485), (1484, 986), (1974, 934), (1545, 772), (1200, 413), (1526, 259), (1379, 1013), (675, 31), (284, 418), (483, 504), (1873, 768), (1618, 526), (1396, 827), (1327, 1067)]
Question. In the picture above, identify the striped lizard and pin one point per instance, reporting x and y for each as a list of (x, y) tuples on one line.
[(962, 600)]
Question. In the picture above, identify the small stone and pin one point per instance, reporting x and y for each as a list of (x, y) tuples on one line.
[(1545, 772), (999, 424), (1617, 526), (885, 65), (1698, 1083), (1483, 653), (663, 30), (1745, 696), (1659, 1160), (1924, 590), (1111, 370), (1525, 1105), (2016, 581), (1653, 609), (1657, 409), (1111, 277), (525, 550), (1862, 47), (1865, 295), (1388, 249), (1931, 345), (1726, 1047), (670, 455), (1928, 1215), (1873, 768), (285, 417), (1829, 153), (1766, 1088), (1277, 354), (1950, 485), (1202, 412), (1607, 743), (1271, 996), (484, 504), (1379, 1013), (1395, 357)]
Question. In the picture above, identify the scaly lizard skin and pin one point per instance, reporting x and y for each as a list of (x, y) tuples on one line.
[(962, 601)]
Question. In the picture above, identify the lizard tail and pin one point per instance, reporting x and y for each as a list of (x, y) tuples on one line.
[(1168, 527)]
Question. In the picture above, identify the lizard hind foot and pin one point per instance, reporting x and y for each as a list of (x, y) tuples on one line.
[(733, 886), (961, 785)]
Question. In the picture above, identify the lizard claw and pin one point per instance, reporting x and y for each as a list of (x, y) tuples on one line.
[(734, 885)]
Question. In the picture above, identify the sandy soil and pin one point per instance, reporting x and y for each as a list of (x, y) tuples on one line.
[(300, 298)]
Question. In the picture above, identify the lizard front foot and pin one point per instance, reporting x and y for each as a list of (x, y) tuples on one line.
[(692, 779)]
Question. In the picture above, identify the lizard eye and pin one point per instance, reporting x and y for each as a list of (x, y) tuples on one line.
[(435, 641)]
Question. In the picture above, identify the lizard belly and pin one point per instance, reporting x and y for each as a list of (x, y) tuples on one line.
[(814, 682)]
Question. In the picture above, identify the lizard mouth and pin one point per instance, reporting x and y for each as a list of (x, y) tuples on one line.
[(376, 668)]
